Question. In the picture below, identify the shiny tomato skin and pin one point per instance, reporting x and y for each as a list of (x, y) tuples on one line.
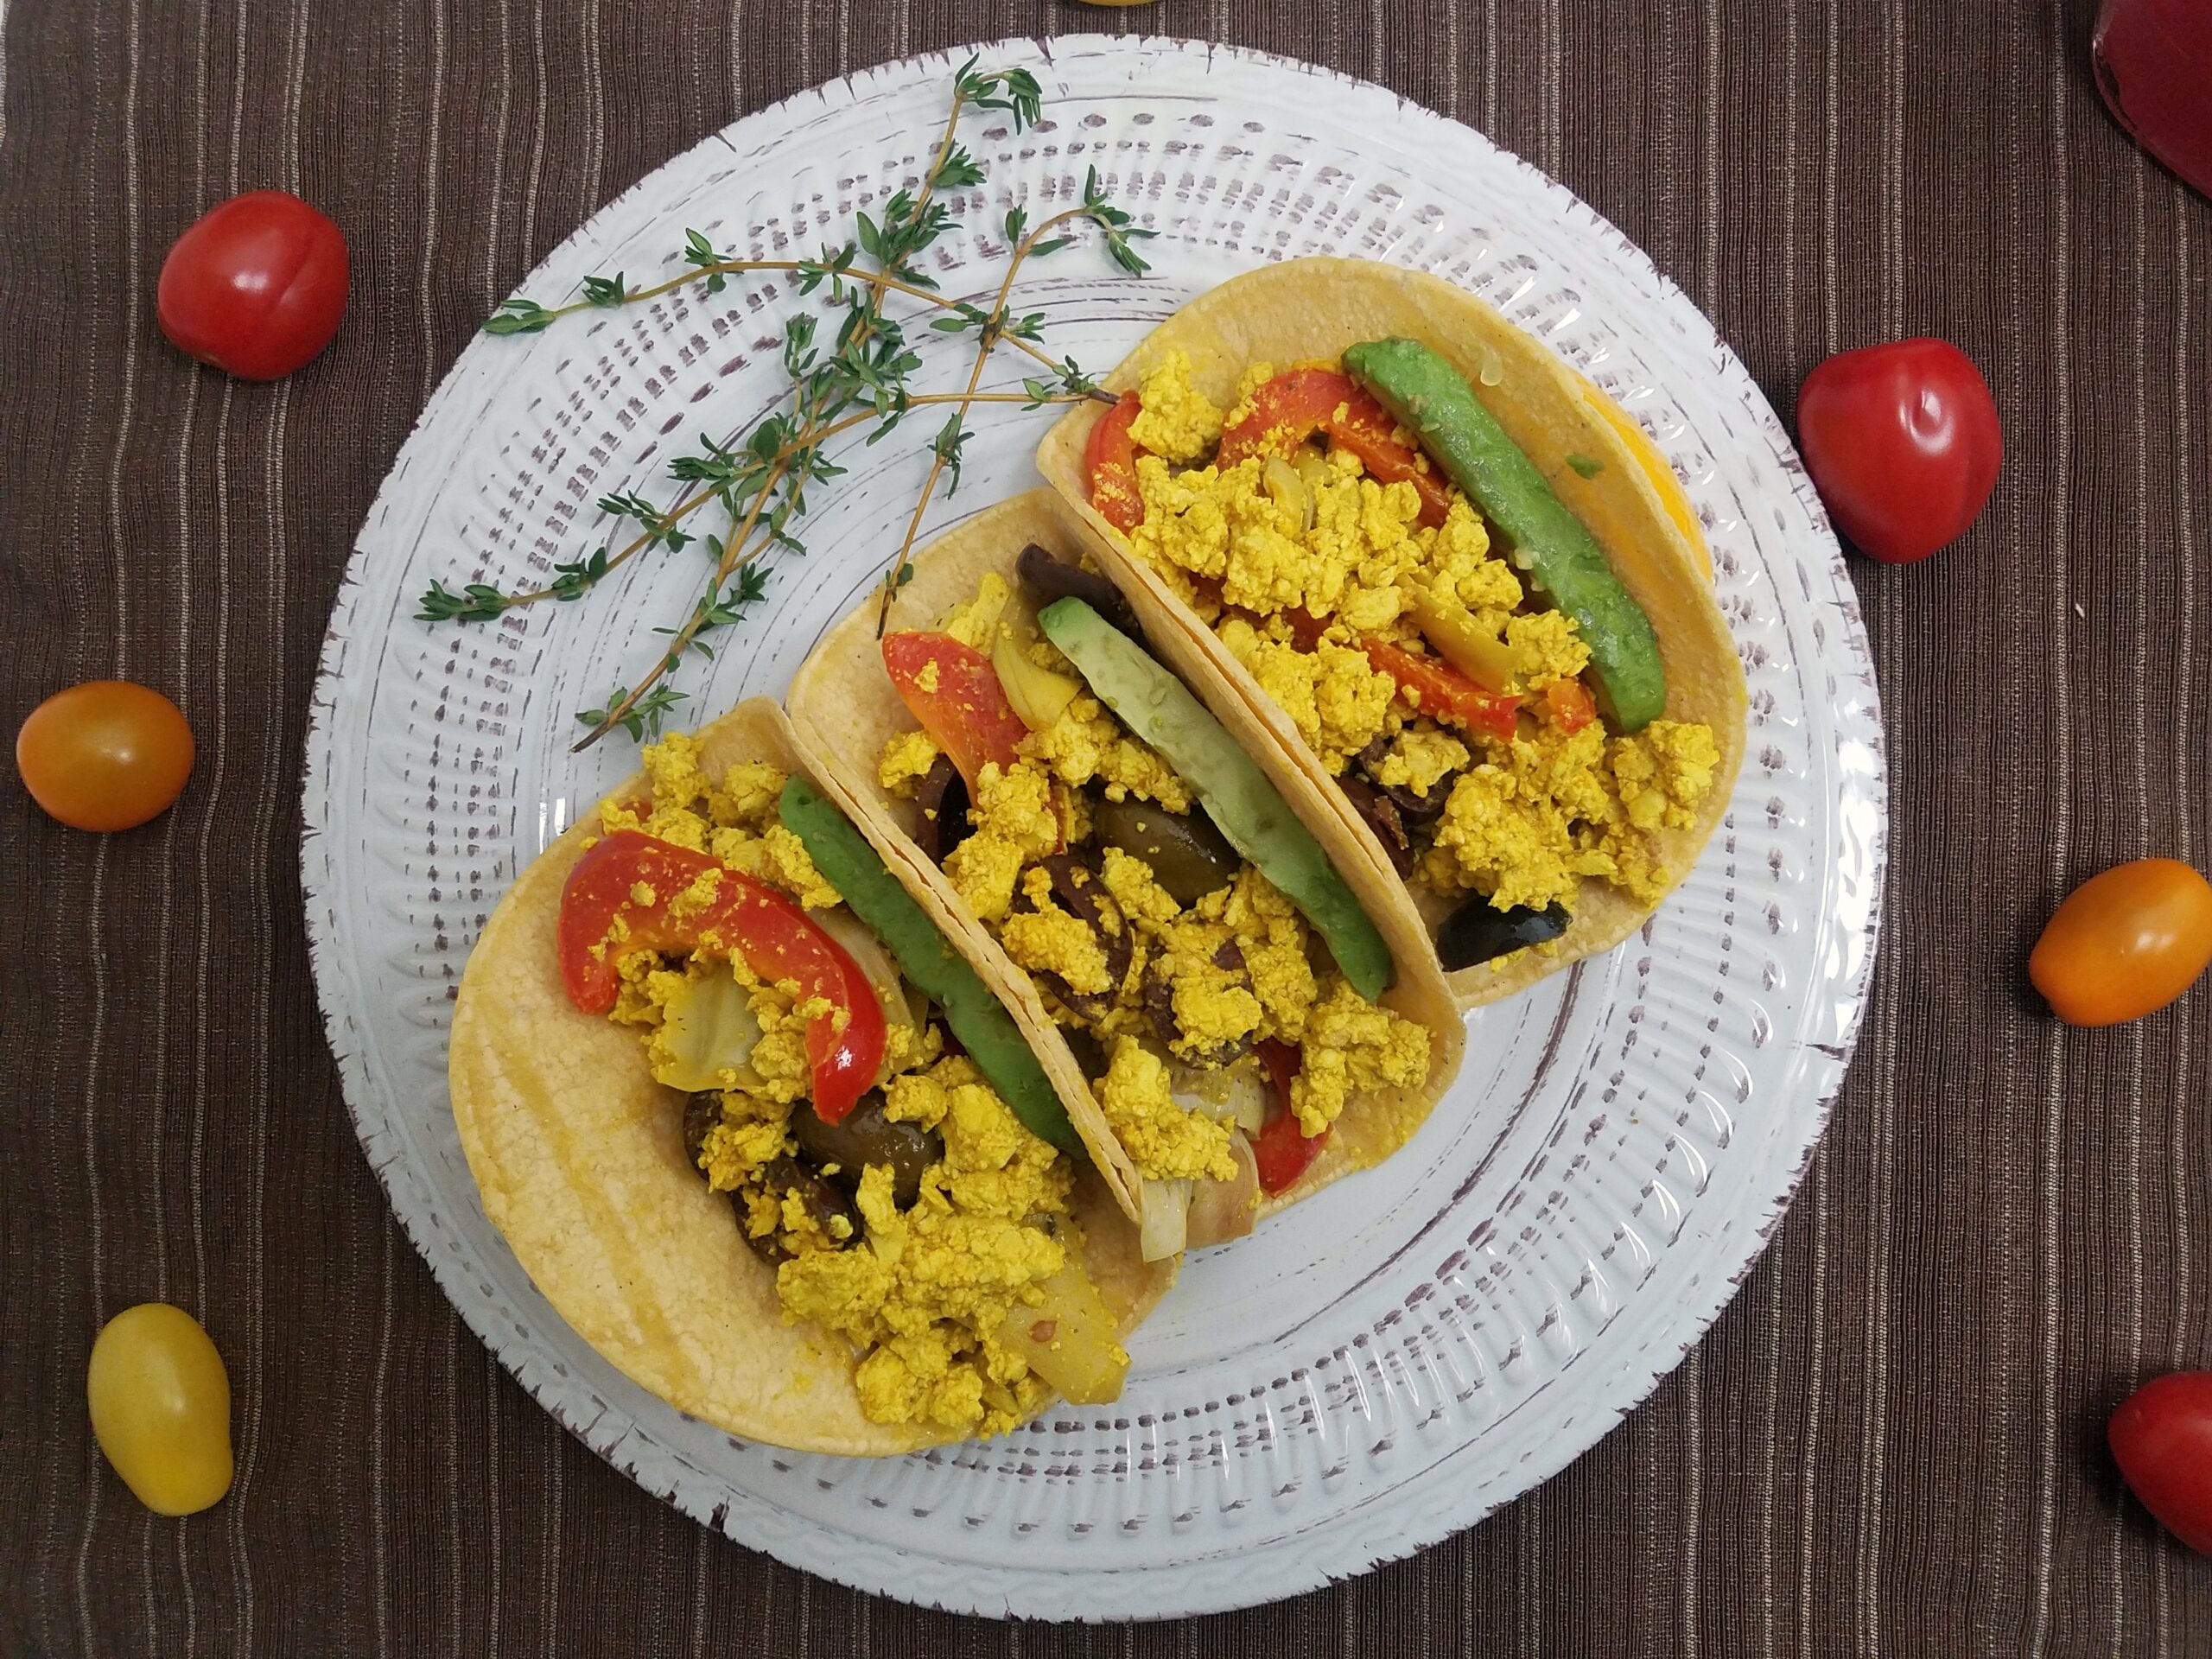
[(107, 755), (1902, 442), (159, 1401), (2161, 1437), (255, 286), (956, 696), (2125, 943)]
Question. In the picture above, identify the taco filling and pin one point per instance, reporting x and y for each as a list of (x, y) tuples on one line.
[(1123, 850), (869, 1155), (1483, 690)]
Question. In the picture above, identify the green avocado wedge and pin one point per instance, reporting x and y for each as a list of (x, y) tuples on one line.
[(978, 1018), (1554, 548), (1236, 795)]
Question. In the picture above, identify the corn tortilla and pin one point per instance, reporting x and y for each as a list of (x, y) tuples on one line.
[(579, 1155), (845, 709), (1306, 309)]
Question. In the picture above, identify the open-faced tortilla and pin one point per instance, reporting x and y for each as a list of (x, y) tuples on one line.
[(579, 1157), (1304, 310), (845, 709)]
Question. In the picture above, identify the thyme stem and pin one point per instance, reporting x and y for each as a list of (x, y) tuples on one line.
[(992, 332)]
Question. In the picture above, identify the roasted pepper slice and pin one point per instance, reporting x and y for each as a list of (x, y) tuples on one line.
[(1442, 692), (1291, 408), (952, 690), (1111, 461), (1282, 1150), (632, 892)]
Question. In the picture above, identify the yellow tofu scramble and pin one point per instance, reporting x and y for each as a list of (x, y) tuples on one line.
[(1165, 958), (1301, 565), (916, 1228)]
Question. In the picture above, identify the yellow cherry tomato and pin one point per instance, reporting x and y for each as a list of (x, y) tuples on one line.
[(105, 755), (2125, 943), (161, 1405)]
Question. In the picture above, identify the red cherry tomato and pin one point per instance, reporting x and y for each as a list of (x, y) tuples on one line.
[(1902, 443), (2162, 1439), (256, 285), (2125, 943), (105, 755)]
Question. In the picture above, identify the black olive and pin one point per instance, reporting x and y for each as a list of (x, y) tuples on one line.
[(864, 1136), (1188, 854), (1478, 931), (1415, 806), (1160, 1005), (1381, 812), (943, 803), (1049, 579), (701, 1111), (824, 1202), (1080, 893)]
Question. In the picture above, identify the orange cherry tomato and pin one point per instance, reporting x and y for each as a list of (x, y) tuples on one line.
[(105, 755), (2125, 943)]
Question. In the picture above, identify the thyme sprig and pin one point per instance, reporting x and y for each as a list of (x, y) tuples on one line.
[(997, 324), (758, 477)]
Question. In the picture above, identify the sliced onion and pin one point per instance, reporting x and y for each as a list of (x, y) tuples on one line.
[(1491, 370), (707, 1034), (1069, 1339), (1220, 1210), (1237, 1094), (1166, 1216), (1037, 696)]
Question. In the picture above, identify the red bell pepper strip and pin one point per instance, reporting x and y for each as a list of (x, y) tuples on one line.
[(1570, 705), (1442, 692), (1111, 461), (1291, 408), (603, 918), (1282, 1151), (960, 703)]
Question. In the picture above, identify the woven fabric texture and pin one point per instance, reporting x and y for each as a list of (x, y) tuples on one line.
[(1891, 1442)]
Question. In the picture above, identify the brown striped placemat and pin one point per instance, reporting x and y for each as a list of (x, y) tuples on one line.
[(1891, 1442)]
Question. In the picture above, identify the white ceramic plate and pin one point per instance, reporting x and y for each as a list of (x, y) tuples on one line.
[(1387, 1362)]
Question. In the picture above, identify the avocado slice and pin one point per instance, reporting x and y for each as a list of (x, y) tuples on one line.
[(978, 1018), (1432, 399), (1236, 795)]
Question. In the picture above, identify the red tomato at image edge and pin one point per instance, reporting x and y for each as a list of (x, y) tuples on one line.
[(255, 286), (1902, 443), (2161, 1437)]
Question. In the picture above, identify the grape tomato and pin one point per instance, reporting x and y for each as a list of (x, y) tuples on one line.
[(161, 1407)]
